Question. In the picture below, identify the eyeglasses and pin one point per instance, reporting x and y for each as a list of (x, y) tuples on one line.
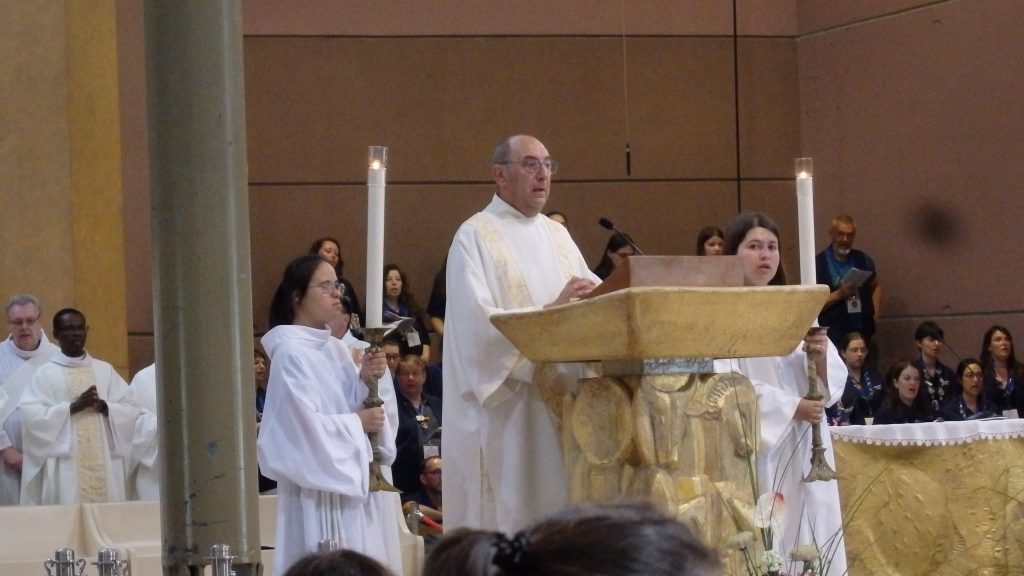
[(391, 356), (24, 322), (329, 286), (532, 165)]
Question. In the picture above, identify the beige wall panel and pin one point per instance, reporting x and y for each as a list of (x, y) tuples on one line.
[(681, 108), (769, 89), (777, 200), (35, 172), (96, 192), (486, 17), (313, 106), (815, 15), (135, 164), (421, 221), (441, 104), (766, 17), (907, 117)]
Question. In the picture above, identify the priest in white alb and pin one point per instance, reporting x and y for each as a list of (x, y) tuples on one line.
[(503, 458), (25, 350), (78, 418)]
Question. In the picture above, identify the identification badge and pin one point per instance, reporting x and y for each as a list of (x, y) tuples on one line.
[(853, 305), (412, 338), (431, 450)]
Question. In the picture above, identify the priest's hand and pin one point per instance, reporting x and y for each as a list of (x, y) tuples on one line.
[(809, 411), (373, 367), (12, 458), (575, 288), (88, 399), (372, 419)]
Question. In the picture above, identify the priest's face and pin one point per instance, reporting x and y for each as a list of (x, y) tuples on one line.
[(23, 322), (522, 189), (321, 304), (71, 332)]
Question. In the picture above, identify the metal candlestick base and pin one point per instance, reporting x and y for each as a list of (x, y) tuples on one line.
[(375, 336), (820, 470)]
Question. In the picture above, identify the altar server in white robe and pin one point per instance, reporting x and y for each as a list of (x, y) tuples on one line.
[(78, 418), (810, 511), (503, 458), (144, 464), (313, 438), (26, 349)]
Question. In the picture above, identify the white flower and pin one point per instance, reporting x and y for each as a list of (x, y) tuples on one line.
[(771, 561), (769, 510), (805, 553), (740, 541)]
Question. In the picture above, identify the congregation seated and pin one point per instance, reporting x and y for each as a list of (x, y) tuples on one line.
[(938, 379), (905, 402), (399, 302), (1004, 375), (969, 398), (419, 420), (428, 498), (864, 387)]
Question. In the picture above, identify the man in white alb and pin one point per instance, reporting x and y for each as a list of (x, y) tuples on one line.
[(78, 417), (25, 350), (502, 453)]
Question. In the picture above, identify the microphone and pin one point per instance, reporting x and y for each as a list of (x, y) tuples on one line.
[(607, 225)]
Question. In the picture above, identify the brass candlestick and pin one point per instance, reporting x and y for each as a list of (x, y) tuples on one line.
[(375, 336), (820, 470)]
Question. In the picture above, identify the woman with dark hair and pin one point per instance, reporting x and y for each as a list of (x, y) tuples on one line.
[(608, 540), (710, 241), (969, 397), (938, 379), (904, 402), (330, 249), (1004, 376), (398, 301), (615, 252), (313, 439), (781, 382), (863, 392)]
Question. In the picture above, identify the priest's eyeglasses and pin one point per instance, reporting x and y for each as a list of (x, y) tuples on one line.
[(330, 286), (533, 165)]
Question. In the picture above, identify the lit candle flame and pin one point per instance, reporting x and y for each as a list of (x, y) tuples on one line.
[(803, 175), (375, 165)]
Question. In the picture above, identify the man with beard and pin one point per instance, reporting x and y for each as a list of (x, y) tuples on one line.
[(850, 307)]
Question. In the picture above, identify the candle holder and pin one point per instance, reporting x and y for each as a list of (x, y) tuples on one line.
[(804, 167), (375, 336), (820, 470)]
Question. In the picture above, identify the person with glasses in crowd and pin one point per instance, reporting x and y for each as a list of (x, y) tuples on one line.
[(969, 400), (615, 252), (503, 454), (22, 352), (313, 437)]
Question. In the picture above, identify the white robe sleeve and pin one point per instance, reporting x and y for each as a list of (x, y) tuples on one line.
[(46, 416), (122, 410), (471, 302), (303, 443)]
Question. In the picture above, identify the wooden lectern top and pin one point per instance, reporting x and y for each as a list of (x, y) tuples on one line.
[(714, 317)]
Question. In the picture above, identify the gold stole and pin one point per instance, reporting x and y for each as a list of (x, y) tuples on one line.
[(88, 426), (504, 260)]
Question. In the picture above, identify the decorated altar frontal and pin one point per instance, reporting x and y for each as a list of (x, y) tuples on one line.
[(939, 499)]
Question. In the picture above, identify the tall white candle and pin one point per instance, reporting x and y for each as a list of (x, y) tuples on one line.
[(805, 217), (376, 179)]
